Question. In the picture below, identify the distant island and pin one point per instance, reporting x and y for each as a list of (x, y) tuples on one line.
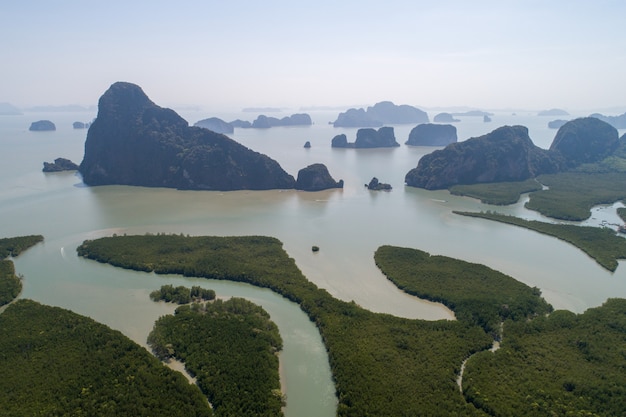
[(261, 122), (383, 113), (508, 154), (553, 112), (81, 125), (367, 138), (556, 124), (618, 122), (445, 118), (42, 126), (7, 109), (431, 134), (135, 142), (472, 113), (215, 124)]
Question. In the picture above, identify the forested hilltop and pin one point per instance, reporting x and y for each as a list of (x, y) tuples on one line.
[(389, 366)]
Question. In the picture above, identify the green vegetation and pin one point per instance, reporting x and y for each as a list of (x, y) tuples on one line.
[(560, 365), (571, 195), (602, 244), (13, 246), (499, 193), (11, 284), (382, 365), (230, 347), (557, 364), (181, 295), (57, 363), (476, 293)]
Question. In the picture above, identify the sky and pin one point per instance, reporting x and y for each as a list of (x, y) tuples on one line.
[(225, 55)]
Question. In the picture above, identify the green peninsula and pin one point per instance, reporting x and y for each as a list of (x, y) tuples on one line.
[(601, 244), (10, 283)]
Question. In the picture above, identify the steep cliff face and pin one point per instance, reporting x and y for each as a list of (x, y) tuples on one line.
[(135, 142), (506, 154)]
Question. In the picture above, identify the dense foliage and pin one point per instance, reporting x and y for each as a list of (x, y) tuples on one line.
[(478, 295), (10, 284), (571, 195), (602, 244), (499, 193), (382, 365), (57, 363), (560, 365), (230, 347), (13, 246), (181, 295)]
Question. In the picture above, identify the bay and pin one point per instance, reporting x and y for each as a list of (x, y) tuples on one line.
[(347, 225)]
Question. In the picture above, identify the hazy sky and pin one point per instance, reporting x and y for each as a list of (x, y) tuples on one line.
[(231, 54)]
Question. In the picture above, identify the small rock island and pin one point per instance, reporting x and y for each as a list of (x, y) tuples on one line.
[(316, 178), (375, 185), (42, 126), (59, 164)]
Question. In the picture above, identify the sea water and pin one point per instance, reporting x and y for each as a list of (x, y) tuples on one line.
[(348, 225)]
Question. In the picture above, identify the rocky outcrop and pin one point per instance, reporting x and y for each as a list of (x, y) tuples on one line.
[(618, 122), (59, 164), (383, 113), (316, 178), (445, 118), (368, 138), (42, 126), (585, 140), (135, 142), (375, 185), (506, 154), (430, 134), (215, 124)]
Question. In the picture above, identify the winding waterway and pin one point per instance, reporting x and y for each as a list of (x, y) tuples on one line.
[(348, 225)]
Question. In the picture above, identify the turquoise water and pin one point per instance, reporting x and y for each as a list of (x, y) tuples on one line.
[(348, 225)]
